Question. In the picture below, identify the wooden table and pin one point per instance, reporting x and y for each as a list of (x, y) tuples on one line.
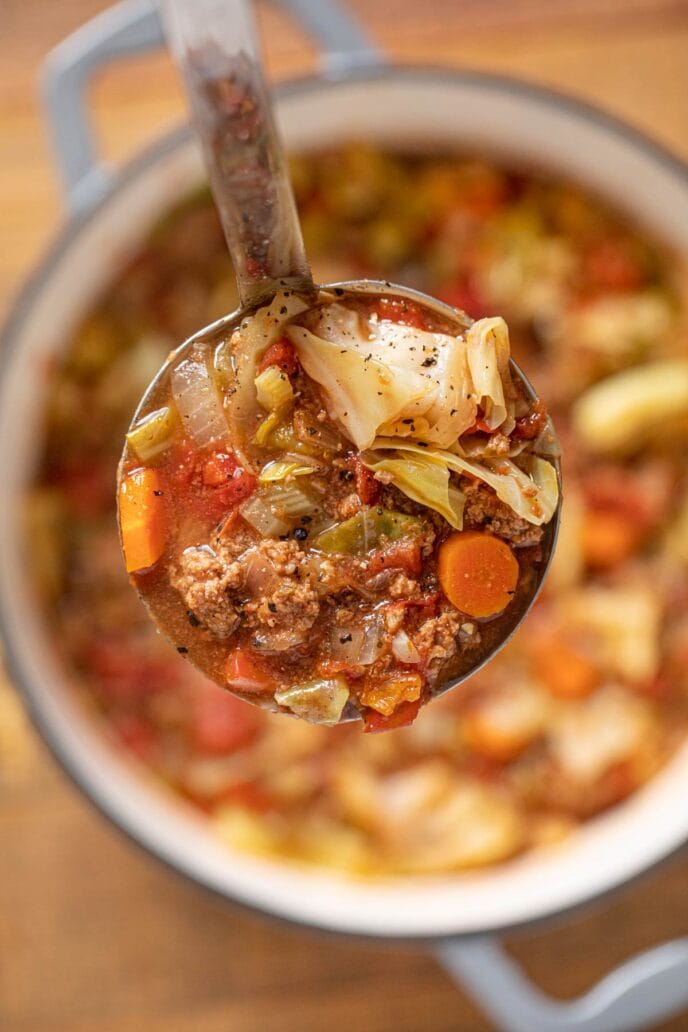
[(93, 934)]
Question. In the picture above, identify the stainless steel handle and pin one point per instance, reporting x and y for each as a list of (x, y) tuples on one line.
[(133, 27), (639, 993)]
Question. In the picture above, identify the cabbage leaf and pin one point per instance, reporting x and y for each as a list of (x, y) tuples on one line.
[(534, 497), (425, 482)]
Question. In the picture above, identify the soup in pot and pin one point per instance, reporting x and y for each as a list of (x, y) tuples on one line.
[(586, 702)]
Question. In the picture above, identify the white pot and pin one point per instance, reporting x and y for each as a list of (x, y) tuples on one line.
[(484, 114)]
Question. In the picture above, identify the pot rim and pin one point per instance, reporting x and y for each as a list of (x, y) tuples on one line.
[(33, 285)]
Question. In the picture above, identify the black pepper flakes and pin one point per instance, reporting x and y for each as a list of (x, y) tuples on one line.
[(300, 533), (272, 607), (193, 619), (182, 650), (344, 638)]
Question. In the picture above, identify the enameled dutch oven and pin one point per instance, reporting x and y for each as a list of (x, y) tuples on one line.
[(356, 95)]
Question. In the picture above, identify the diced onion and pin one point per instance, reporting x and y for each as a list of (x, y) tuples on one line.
[(198, 401), (404, 649), (258, 512)]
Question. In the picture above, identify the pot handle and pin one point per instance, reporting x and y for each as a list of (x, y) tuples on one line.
[(639, 993), (133, 27)]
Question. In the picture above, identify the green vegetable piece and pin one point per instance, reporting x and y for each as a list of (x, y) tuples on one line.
[(318, 702), (273, 390), (153, 434), (426, 482), (364, 531)]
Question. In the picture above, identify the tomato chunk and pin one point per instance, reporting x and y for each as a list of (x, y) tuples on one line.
[(282, 354), (221, 723), (401, 555), (244, 673)]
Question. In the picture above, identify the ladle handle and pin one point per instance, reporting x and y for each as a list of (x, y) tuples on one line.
[(215, 45)]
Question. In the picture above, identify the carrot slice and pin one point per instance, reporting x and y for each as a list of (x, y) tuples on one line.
[(142, 518), (478, 572), (563, 670), (609, 538)]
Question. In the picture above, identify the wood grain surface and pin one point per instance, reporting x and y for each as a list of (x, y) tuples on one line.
[(93, 934)]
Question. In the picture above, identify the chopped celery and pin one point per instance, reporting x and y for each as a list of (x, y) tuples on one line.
[(266, 428), (319, 702), (273, 389), (364, 531), (289, 501), (280, 469), (153, 434), (284, 439)]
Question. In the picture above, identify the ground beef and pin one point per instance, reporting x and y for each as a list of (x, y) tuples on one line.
[(273, 588), (483, 508), (205, 581), (436, 638)]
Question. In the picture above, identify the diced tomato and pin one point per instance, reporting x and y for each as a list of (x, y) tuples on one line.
[(398, 310), (237, 490), (88, 489), (610, 265), (528, 427), (401, 555), (463, 295), (221, 723), (244, 673), (219, 468), (282, 354), (250, 796), (403, 716), (367, 487), (123, 674)]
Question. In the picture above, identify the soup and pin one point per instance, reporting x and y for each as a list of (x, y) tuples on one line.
[(586, 702)]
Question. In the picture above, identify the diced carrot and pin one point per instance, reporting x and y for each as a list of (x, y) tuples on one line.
[(386, 694), (609, 538), (244, 674), (142, 518), (478, 572), (493, 741), (282, 354), (563, 670), (403, 716), (401, 555)]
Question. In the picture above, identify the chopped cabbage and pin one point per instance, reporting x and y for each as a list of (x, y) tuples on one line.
[(425, 482), (241, 354), (381, 377), (363, 394), (616, 413), (319, 702), (488, 361), (534, 497)]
